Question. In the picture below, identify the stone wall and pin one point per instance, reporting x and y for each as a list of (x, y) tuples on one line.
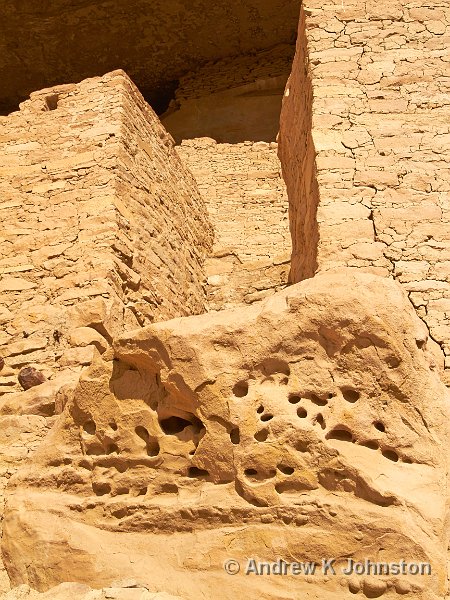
[(297, 157), (103, 230), (102, 227), (226, 115), (380, 80), (247, 204), (233, 100)]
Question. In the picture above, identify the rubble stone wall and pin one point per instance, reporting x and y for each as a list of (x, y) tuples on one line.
[(380, 82)]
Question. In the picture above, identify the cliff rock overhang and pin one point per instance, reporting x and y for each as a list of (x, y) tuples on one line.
[(154, 41)]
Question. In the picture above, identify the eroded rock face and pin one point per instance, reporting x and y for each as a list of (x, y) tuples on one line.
[(311, 426), (154, 41)]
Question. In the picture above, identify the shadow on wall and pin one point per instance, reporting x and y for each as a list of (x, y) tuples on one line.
[(249, 112)]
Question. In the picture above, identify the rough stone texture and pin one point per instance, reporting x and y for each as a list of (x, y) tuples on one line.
[(311, 424), (79, 591), (236, 103), (247, 204), (232, 100), (314, 424), (30, 377), (155, 41), (103, 228), (20, 436), (380, 82)]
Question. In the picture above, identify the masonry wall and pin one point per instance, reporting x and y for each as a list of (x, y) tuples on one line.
[(103, 229), (247, 203), (232, 100), (236, 103), (297, 156), (380, 127)]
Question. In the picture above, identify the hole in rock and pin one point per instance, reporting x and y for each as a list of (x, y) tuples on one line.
[(271, 366), (90, 427), (122, 491), (302, 412), (112, 448), (153, 447), (294, 399), (267, 417), (169, 488), (421, 344), (260, 409), (51, 102), (95, 450), (196, 472), (120, 513), (261, 436), (113, 426), (372, 444), (286, 469), (85, 464), (121, 466), (350, 395), (251, 472), (240, 390), (320, 420), (317, 400), (301, 445), (100, 489), (174, 425), (142, 491), (235, 436), (142, 433), (380, 426), (340, 434), (260, 476), (390, 455)]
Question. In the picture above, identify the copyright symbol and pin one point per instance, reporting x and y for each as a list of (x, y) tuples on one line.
[(232, 567)]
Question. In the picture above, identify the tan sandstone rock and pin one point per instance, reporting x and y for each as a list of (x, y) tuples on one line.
[(307, 427)]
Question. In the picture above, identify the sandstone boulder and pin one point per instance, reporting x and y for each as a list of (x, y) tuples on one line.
[(308, 427)]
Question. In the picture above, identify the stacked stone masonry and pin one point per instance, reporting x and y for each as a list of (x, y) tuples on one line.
[(247, 203), (240, 181), (380, 75), (235, 71), (102, 228)]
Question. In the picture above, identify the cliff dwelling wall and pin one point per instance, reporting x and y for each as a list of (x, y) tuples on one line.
[(379, 111), (226, 119), (102, 227)]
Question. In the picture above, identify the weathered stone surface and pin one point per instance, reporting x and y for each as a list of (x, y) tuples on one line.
[(40, 399), (369, 95), (155, 41), (314, 424), (113, 230), (79, 591), (247, 203)]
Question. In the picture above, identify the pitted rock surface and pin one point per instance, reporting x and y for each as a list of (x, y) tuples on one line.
[(310, 425)]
